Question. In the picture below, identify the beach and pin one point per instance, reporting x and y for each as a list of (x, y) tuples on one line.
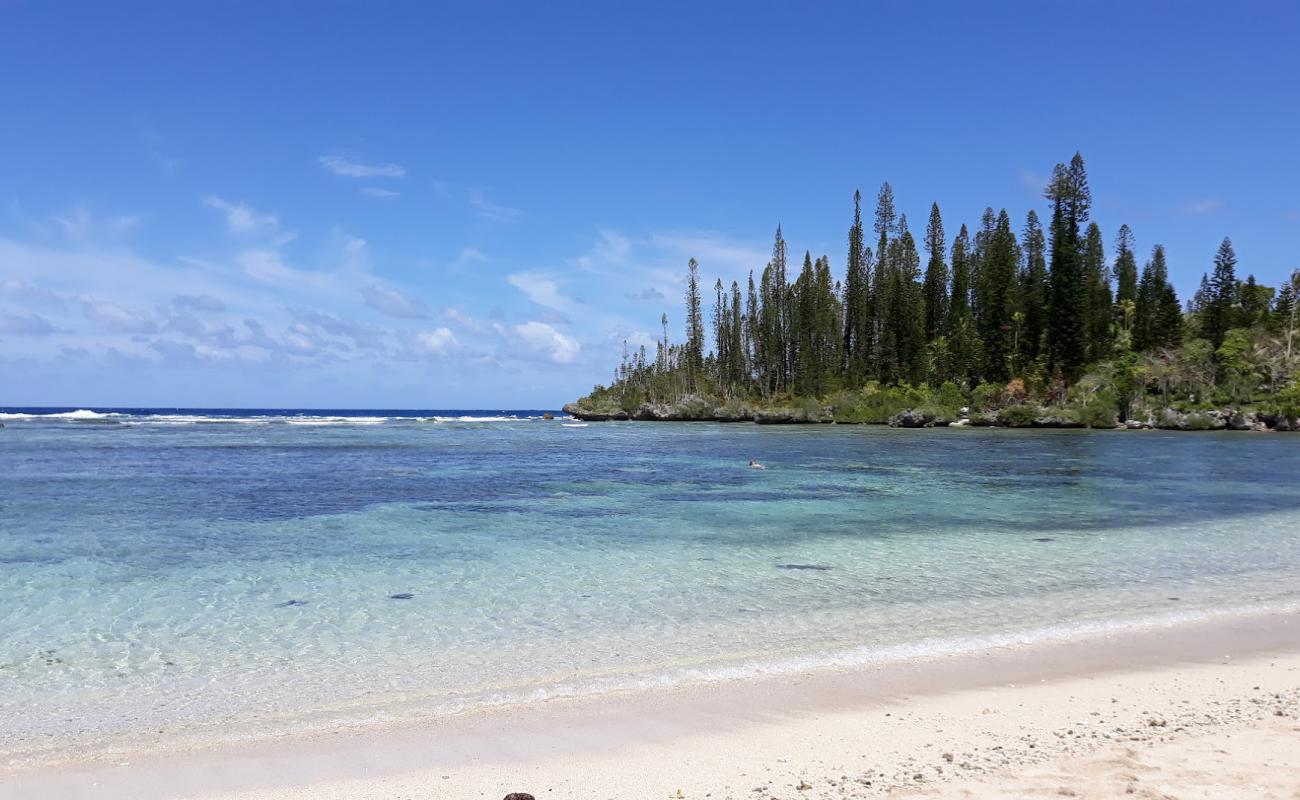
[(258, 604), (1206, 710)]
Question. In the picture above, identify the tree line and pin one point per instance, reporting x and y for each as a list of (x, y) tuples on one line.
[(1041, 305)]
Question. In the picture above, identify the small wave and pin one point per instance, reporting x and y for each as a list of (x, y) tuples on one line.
[(80, 414), (185, 419), (481, 419), (335, 420)]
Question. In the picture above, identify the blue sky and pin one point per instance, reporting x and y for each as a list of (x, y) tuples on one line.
[(411, 205)]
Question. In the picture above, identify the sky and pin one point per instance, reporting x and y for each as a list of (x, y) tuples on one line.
[(473, 205)]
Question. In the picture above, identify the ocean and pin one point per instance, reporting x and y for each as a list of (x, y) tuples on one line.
[(200, 573)]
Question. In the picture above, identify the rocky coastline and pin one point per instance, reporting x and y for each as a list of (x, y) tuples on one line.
[(1022, 416)]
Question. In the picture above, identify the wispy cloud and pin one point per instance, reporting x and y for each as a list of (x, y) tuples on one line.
[(25, 325), (349, 168), (376, 191), (393, 303), (648, 293), (114, 317), (79, 225), (1033, 181), (542, 290), (711, 250), (29, 292), (493, 212), (467, 256), (439, 341), (241, 218), (1206, 205), (544, 340)]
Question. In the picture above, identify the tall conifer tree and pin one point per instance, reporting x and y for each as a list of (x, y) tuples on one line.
[(936, 276)]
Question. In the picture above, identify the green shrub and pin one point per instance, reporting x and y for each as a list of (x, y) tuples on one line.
[(1019, 416), (986, 397)]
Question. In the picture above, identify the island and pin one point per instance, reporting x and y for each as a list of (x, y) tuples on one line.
[(1038, 329)]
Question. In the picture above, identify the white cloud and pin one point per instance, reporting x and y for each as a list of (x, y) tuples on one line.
[(1033, 181), (610, 250), (108, 314), (29, 292), (465, 321), (267, 266), (25, 325), (198, 302), (348, 168), (541, 290), (467, 256), (393, 303), (493, 212), (711, 250), (438, 341), (375, 191), (240, 218), (546, 340), (1206, 205), (79, 225)]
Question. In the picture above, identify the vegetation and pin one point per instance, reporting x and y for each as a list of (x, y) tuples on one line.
[(1016, 328)]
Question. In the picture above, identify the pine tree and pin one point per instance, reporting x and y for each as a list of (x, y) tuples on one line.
[(1097, 330), (1125, 266), (1033, 289), (1218, 311), (907, 317), (857, 302), (694, 329), (936, 276), (1169, 316), (997, 292), (721, 334), (884, 345), (959, 298), (1071, 201), (738, 376)]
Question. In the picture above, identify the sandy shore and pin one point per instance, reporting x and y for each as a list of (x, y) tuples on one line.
[(1198, 711)]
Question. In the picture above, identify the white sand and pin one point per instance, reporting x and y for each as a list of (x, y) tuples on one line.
[(1066, 721)]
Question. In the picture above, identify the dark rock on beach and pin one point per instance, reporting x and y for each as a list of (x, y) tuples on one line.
[(918, 419), (519, 796)]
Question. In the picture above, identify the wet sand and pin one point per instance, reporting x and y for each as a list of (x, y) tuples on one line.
[(1198, 710)]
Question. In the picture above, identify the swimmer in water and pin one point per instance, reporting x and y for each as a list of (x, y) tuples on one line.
[(753, 463)]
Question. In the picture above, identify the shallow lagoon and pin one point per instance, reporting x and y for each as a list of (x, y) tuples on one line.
[(168, 572)]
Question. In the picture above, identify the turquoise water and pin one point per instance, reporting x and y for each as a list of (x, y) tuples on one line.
[(188, 571)]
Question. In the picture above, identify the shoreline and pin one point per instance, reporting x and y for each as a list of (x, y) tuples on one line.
[(553, 741), (1227, 419)]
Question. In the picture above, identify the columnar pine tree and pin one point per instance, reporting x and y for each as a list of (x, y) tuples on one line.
[(1033, 290), (1219, 310), (694, 329), (884, 345), (997, 292), (1097, 315), (936, 276), (857, 302), (1126, 274), (907, 314), (738, 377), (963, 339), (1071, 201)]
